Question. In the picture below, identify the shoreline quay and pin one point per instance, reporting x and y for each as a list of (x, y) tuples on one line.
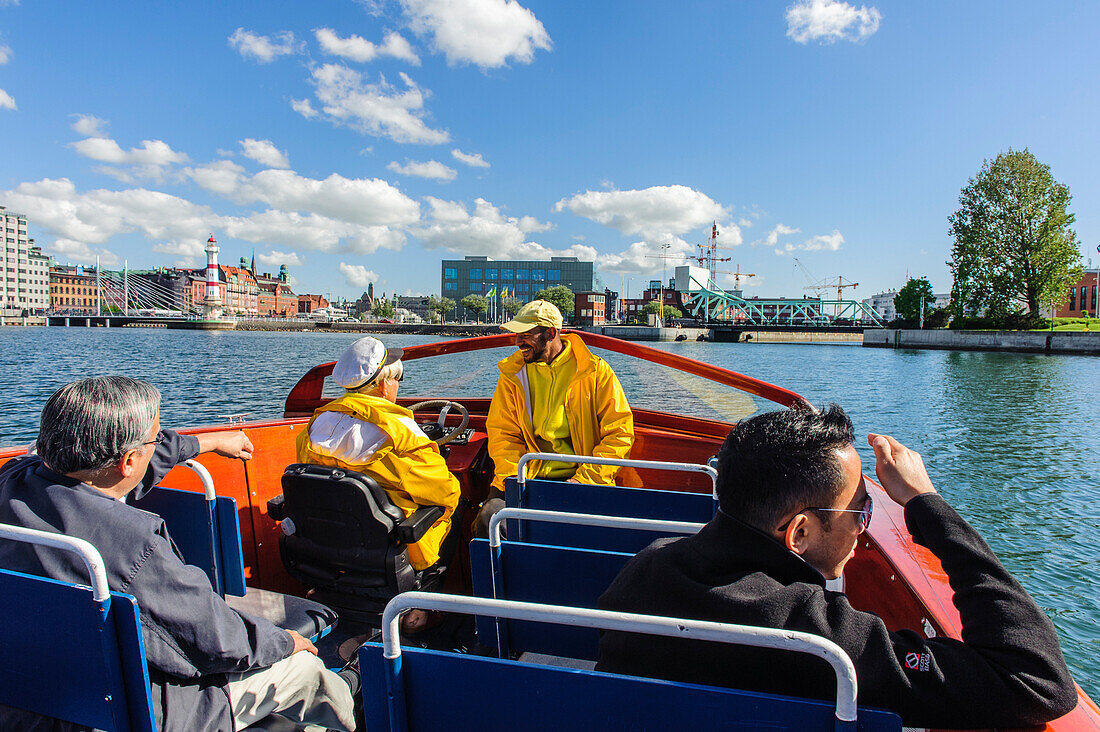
[(1079, 343)]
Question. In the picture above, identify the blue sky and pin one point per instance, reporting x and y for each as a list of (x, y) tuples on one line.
[(365, 141)]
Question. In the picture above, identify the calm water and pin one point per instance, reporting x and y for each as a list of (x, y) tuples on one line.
[(1012, 441)]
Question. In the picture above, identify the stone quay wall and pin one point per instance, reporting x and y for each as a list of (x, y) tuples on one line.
[(1060, 342)]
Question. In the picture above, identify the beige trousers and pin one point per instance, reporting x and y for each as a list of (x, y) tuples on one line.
[(299, 688)]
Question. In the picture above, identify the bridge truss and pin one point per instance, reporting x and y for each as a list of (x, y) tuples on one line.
[(135, 294), (711, 304)]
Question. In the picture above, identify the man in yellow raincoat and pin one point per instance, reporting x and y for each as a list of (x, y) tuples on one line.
[(366, 431), (553, 395)]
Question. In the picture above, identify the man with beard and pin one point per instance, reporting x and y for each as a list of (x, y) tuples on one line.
[(553, 395)]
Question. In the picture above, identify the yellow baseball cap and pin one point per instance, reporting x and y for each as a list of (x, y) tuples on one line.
[(533, 314)]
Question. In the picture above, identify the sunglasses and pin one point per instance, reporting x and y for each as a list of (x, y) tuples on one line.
[(864, 513)]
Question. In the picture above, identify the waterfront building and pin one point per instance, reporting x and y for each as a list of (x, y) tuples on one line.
[(72, 289), (416, 305), (24, 270), (309, 303), (589, 308), (275, 298), (883, 304), (476, 275), (1082, 296)]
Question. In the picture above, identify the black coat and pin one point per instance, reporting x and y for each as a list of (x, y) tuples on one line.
[(1008, 671), (192, 638)]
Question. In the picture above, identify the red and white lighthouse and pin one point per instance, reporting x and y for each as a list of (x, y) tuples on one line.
[(212, 303)]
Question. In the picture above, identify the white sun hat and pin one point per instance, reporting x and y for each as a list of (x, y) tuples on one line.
[(362, 361)]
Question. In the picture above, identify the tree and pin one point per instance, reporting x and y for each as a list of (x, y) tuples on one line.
[(477, 303), (382, 309), (440, 305), (560, 295), (1013, 241), (511, 305), (653, 307), (908, 300)]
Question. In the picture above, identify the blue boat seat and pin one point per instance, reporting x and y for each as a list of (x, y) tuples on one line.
[(554, 495), (553, 575), (74, 652), (208, 535), (420, 689)]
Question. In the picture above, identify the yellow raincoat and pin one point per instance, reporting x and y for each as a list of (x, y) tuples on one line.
[(600, 422), (407, 466)]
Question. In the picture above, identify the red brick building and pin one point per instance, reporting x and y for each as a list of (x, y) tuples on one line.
[(1082, 296), (309, 303), (589, 308)]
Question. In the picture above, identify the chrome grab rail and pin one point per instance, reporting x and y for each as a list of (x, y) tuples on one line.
[(586, 519), (92, 560), (204, 477), (521, 466), (703, 630)]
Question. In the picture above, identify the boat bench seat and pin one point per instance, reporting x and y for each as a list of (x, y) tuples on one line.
[(423, 689), (553, 575), (76, 653), (555, 495), (208, 535)]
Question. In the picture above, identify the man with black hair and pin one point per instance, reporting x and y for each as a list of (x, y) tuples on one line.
[(793, 503)]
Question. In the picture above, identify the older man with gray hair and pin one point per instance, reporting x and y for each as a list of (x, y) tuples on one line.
[(210, 667)]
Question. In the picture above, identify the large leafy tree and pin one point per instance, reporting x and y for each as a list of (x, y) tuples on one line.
[(561, 296), (478, 303), (908, 300), (511, 305), (1014, 245)]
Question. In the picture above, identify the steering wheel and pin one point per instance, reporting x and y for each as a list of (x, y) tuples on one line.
[(436, 432)]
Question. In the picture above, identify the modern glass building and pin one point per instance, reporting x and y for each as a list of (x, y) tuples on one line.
[(481, 275)]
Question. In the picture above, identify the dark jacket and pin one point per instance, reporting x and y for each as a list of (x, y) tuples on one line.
[(1008, 671), (192, 638)]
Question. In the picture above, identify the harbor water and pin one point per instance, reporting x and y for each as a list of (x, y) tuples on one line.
[(1011, 440)]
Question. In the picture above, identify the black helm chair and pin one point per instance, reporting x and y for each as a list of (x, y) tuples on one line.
[(345, 540)]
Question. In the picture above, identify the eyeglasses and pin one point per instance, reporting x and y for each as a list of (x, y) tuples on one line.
[(864, 513), (158, 440)]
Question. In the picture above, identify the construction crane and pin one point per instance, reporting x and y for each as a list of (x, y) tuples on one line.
[(737, 275), (823, 285)]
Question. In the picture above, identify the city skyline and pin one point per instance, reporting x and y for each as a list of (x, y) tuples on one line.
[(366, 142)]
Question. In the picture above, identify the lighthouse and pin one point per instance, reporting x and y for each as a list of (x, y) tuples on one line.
[(212, 303)]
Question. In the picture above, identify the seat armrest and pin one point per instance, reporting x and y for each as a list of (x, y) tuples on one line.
[(275, 508), (413, 528)]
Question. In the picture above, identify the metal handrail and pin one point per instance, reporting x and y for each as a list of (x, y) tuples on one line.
[(204, 478), (586, 519), (703, 630), (92, 559), (521, 474)]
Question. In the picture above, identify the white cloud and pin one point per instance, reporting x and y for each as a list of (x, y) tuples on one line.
[(156, 153), (819, 243), (221, 176), (375, 109), (264, 152), (772, 237), (187, 251), (485, 231), (655, 213), (365, 201), (357, 275), (89, 125), (264, 49), (5, 54), (828, 21), (474, 160), (179, 226), (487, 33), (67, 250), (6, 102), (429, 169), (357, 48), (643, 257), (303, 107), (277, 258)]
